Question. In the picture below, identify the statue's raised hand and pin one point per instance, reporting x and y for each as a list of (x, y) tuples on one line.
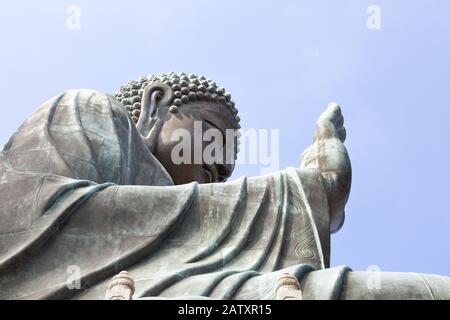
[(329, 155)]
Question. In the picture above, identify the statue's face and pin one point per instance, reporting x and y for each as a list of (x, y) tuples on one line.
[(188, 117)]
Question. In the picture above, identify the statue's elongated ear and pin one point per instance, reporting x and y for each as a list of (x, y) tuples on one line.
[(163, 100), (155, 95)]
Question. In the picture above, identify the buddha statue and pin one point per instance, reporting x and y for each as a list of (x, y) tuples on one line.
[(89, 188)]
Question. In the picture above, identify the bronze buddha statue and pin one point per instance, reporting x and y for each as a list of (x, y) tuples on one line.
[(89, 187)]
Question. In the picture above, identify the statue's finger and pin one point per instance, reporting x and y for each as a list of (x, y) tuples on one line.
[(334, 107), (340, 121), (342, 134), (331, 114), (334, 112)]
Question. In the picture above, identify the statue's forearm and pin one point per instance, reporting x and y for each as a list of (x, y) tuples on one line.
[(329, 156)]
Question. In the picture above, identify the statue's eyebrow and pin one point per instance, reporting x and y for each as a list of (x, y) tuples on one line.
[(218, 128)]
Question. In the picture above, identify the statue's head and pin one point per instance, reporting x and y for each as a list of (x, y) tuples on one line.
[(177, 114)]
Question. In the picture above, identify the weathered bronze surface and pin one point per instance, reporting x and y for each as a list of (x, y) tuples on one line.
[(88, 189)]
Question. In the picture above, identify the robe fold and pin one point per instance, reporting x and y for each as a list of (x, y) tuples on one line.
[(82, 198)]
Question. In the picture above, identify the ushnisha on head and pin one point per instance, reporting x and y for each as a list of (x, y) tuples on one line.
[(160, 104)]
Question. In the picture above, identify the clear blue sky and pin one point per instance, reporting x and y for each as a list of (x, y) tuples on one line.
[(283, 61)]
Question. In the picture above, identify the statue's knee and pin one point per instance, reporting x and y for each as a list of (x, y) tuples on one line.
[(395, 286)]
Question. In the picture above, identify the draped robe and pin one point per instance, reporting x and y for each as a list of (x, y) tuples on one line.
[(82, 198)]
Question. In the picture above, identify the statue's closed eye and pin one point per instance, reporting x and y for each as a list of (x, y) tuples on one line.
[(212, 172)]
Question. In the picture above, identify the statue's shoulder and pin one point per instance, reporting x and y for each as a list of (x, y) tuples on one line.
[(86, 100), (88, 93)]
